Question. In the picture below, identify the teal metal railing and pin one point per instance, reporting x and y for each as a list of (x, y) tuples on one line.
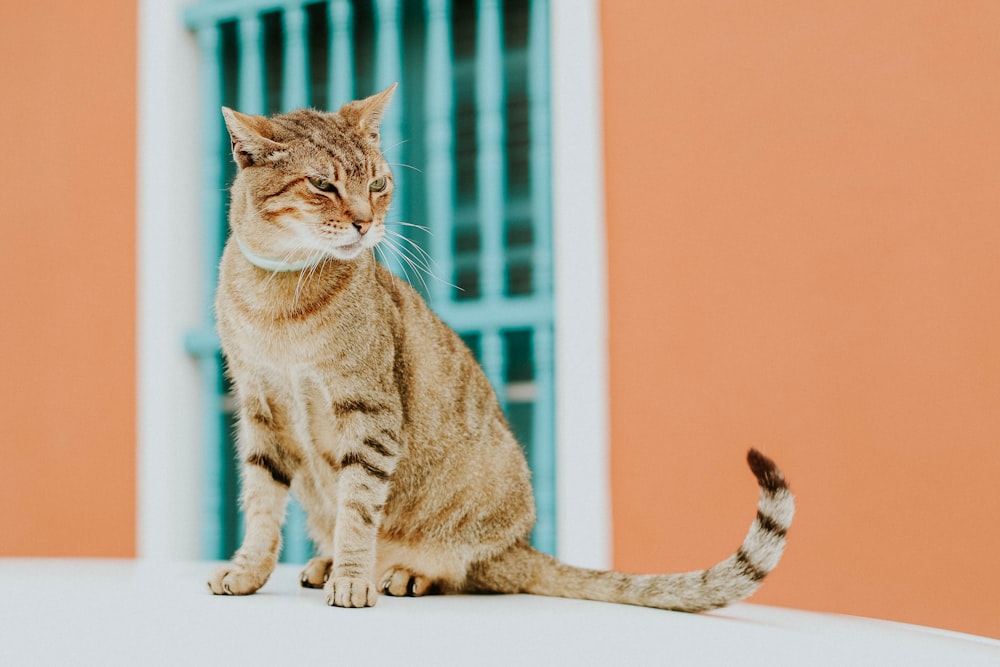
[(468, 136)]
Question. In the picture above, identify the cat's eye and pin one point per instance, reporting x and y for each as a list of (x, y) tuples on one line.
[(322, 184), (378, 185)]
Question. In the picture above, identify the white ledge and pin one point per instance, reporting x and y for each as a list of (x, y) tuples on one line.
[(119, 612)]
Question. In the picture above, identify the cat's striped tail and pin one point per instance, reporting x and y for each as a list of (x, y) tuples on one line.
[(522, 569)]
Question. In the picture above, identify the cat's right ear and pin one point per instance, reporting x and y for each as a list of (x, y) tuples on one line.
[(251, 139)]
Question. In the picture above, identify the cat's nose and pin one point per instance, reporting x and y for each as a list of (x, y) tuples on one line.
[(362, 226)]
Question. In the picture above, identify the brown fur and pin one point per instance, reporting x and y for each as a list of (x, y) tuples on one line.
[(355, 397)]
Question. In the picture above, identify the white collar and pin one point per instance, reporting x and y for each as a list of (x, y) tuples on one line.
[(273, 264)]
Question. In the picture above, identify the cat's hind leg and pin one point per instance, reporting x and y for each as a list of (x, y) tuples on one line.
[(420, 569), (398, 581), (316, 572)]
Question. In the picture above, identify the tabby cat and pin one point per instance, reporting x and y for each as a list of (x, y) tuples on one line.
[(355, 397)]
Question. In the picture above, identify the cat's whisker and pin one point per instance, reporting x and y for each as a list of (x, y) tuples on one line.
[(417, 260), (380, 256), (417, 268), (381, 253), (286, 258), (408, 166), (316, 261), (270, 279), (399, 259), (409, 240), (410, 224), (425, 258), (298, 289), (395, 145), (305, 275), (401, 268), (420, 262)]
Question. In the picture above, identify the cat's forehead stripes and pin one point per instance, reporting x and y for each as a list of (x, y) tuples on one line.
[(313, 126), (326, 131), (336, 146)]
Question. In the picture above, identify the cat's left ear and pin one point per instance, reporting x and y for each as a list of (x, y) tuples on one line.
[(251, 138), (367, 113)]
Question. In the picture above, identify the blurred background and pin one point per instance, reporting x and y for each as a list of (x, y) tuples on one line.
[(669, 230)]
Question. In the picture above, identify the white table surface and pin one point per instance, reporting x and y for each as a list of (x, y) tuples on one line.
[(121, 612)]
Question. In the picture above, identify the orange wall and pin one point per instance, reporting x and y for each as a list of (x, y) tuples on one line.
[(804, 236), (67, 270), (803, 229)]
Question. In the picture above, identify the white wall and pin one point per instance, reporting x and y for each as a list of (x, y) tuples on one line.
[(169, 456), (582, 429)]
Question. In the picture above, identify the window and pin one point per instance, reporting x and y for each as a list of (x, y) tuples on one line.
[(468, 135)]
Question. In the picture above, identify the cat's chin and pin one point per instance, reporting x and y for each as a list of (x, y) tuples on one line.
[(348, 252)]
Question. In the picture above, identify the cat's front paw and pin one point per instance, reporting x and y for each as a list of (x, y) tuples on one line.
[(350, 592), (231, 579), (316, 572)]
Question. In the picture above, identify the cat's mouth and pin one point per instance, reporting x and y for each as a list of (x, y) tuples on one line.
[(349, 251), (364, 241)]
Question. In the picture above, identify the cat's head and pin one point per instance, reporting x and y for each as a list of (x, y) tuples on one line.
[(311, 184)]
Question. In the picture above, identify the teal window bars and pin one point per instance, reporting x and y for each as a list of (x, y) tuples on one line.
[(468, 136)]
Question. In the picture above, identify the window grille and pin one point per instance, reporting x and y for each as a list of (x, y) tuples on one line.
[(468, 136)]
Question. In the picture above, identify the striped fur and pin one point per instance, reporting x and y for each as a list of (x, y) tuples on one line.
[(356, 398)]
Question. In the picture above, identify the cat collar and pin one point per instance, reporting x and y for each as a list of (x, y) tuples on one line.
[(273, 264)]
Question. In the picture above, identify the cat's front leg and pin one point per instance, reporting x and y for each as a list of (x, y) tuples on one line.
[(365, 473), (266, 477)]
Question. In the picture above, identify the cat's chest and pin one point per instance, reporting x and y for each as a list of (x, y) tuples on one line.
[(307, 395), (344, 342), (288, 348)]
